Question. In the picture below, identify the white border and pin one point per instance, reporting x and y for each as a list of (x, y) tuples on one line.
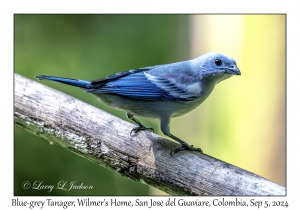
[(8, 8)]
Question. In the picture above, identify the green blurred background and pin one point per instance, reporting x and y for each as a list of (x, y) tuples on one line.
[(243, 122)]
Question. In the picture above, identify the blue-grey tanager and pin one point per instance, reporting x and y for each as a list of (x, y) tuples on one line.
[(162, 91)]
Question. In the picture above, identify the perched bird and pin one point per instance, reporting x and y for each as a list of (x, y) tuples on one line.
[(160, 92)]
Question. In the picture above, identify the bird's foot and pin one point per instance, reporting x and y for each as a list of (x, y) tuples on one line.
[(141, 128), (185, 146)]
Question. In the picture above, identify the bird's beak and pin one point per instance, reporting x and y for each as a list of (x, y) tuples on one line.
[(233, 70)]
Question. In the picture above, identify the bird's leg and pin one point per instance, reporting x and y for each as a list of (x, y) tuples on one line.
[(164, 126), (141, 126)]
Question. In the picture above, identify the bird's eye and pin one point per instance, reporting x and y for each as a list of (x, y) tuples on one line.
[(218, 62)]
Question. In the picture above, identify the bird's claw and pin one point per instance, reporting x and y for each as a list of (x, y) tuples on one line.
[(138, 129), (185, 147)]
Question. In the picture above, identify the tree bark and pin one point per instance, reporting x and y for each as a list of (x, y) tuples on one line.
[(143, 157)]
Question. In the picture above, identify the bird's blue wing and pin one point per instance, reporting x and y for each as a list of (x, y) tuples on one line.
[(140, 84)]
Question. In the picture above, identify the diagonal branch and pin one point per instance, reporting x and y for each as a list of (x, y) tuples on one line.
[(145, 157)]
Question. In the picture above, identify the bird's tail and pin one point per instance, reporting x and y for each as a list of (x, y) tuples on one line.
[(73, 82)]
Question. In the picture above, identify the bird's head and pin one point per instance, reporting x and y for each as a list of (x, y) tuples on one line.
[(215, 66)]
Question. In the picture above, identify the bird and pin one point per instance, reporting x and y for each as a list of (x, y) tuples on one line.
[(160, 92)]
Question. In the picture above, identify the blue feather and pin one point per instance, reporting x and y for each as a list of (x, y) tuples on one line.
[(73, 82), (136, 86)]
